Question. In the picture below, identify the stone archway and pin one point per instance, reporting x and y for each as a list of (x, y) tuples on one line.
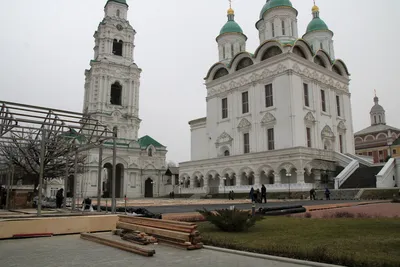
[(148, 188)]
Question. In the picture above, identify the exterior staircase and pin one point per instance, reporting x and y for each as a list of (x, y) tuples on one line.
[(363, 177)]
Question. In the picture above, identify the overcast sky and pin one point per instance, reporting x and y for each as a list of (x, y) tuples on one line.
[(46, 45)]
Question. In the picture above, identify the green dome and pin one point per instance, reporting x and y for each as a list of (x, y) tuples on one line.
[(317, 24), (274, 3), (231, 26)]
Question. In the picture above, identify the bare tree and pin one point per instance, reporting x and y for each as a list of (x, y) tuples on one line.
[(22, 150), (171, 164)]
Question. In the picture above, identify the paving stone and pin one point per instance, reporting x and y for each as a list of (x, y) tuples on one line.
[(72, 251)]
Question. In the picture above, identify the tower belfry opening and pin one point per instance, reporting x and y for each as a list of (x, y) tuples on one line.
[(117, 47), (116, 94)]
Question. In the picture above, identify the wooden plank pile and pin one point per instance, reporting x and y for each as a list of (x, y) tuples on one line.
[(118, 244), (141, 230)]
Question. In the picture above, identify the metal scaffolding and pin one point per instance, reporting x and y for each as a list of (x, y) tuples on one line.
[(22, 126)]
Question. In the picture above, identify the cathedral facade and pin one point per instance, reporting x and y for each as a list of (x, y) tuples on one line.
[(112, 89), (280, 116)]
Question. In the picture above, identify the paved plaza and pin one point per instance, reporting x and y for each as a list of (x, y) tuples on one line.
[(71, 251)]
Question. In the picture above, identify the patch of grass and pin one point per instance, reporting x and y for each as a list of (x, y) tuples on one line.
[(379, 194), (349, 242)]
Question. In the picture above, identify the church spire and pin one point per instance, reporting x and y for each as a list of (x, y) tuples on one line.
[(377, 112)]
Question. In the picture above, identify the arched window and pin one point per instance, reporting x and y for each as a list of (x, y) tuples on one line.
[(244, 63), (318, 60), (283, 28), (380, 119), (232, 50), (118, 13), (115, 131), (150, 152), (337, 70), (297, 50), (116, 94), (375, 119), (220, 73), (117, 47), (271, 52), (227, 153)]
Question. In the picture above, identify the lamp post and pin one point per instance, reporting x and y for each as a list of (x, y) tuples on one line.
[(288, 175)]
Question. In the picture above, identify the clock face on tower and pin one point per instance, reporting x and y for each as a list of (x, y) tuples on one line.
[(119, 27)]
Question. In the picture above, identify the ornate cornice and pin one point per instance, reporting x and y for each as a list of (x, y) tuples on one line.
[(258, 76)]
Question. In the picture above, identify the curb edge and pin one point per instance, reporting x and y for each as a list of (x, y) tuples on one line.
[(269, 257)]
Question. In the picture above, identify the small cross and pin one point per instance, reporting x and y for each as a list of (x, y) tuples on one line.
[(375, 91), (230, 3), (314, 2)]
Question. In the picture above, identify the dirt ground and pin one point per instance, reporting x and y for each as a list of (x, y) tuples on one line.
[(381, 210)]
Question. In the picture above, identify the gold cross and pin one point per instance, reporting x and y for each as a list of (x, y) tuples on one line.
[(230, 3)]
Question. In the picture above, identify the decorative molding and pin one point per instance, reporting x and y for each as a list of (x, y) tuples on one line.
[(268, 119), (223, 139), (247, 80), (327, 133), (315, 75), (341, 126), (244, 124), (310, 118)]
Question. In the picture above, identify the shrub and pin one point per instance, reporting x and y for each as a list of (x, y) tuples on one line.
[(230, 220), (343, 214)]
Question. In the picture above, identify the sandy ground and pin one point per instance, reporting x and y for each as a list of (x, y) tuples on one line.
[(381, 210)]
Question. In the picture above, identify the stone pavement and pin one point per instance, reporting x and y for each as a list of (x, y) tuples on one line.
[(71, 251)]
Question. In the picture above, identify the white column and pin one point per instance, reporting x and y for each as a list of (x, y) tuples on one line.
[(191, 182), (239, 179), (277, 177), (257, 179), (300, 177)]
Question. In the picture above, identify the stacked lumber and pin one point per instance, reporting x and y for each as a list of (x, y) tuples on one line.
[(136, 237), (118, 244), (179, 234)]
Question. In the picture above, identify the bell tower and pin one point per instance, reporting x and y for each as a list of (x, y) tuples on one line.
[(113, 80)]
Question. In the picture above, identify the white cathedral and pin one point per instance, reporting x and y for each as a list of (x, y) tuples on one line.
[(280, 116), (112, 97)]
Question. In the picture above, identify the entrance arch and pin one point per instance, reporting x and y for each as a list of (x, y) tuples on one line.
[(148, 188)]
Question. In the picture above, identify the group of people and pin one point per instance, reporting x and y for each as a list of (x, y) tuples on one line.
[(313, 194), (258, 196)]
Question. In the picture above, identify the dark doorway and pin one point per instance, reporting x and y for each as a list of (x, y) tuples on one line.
[(148, 189), (70, 186), (107, 181), (119, 182)]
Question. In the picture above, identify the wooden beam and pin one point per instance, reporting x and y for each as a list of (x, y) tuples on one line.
[(57, 225), (159, 224), (119, 244), (185, 237)]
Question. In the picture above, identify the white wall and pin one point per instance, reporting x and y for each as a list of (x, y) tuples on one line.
[(289, 111), (199, 142)]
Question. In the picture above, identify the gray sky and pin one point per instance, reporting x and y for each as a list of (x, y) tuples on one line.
[(46, 45)]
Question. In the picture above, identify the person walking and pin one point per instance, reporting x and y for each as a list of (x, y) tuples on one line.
[(59, 198), (251, 194), (263, 194), (327, 194), (312, 194)]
